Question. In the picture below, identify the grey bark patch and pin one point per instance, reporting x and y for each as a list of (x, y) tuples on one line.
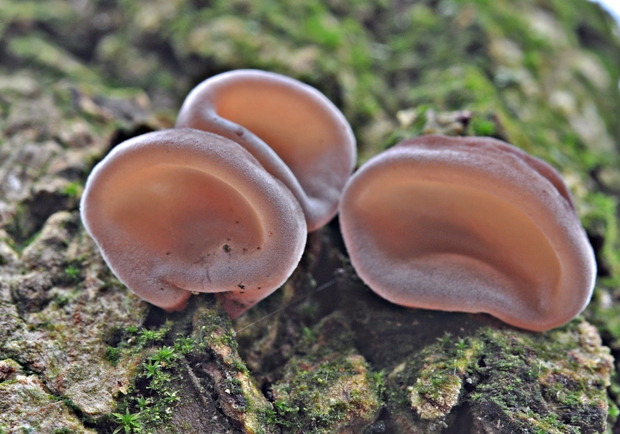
[(30, 293)]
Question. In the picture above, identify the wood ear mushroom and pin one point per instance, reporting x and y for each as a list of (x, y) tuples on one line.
[(293, 130), (469, 224), (223, 202), (180, 211)]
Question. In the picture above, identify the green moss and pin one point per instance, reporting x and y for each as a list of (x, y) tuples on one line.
[(431, 384), (152, 404), (73, 189), (38, 50), (321, 27), (167, 356), (523, 381), (321, 398), (14, 12), (112, 355), (73, 273), (549, 388), (326, 386), (599, 219), (481, 126), (63, 431), (128, 423), (149, 402)]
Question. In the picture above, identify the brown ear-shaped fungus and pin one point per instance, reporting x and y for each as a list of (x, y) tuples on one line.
[(471, 225), (292, 129), (183, 210)]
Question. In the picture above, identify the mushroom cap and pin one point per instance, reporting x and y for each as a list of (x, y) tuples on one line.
[(471, 225), (293, 130), (183, 210)]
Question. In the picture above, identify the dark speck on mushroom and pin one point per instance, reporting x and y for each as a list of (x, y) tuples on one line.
[(199, 261), (226, 248)]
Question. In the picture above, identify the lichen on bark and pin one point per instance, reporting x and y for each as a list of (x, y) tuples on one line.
[(80, 353)]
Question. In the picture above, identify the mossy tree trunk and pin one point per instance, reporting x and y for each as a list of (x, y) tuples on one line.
[(80, 353)]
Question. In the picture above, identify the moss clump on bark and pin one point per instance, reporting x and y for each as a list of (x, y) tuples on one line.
[(326, 386), (512, 381)]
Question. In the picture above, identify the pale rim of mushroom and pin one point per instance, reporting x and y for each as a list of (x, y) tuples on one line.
[(472, 225), (179, 211), (293, 130)]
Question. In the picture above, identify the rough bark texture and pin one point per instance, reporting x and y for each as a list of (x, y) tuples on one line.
[(80, 353)]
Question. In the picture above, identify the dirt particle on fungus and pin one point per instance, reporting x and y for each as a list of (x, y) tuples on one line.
[(241, 285), (237, 221), (200, 260), (258, 248), (259, 287), (168, 253), (226, 248)]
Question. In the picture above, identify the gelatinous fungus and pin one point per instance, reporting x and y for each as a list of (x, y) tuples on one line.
[(182, 210), (292, 129), (472, 225)]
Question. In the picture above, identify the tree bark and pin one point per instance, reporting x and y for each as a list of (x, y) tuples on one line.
[(80, 353)]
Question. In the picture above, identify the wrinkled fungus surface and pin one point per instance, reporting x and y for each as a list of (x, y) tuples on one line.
[(292, 129), (183, 210), (469, 224)]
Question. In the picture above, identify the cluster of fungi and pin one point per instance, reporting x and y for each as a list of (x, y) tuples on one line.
[(223, 203)]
